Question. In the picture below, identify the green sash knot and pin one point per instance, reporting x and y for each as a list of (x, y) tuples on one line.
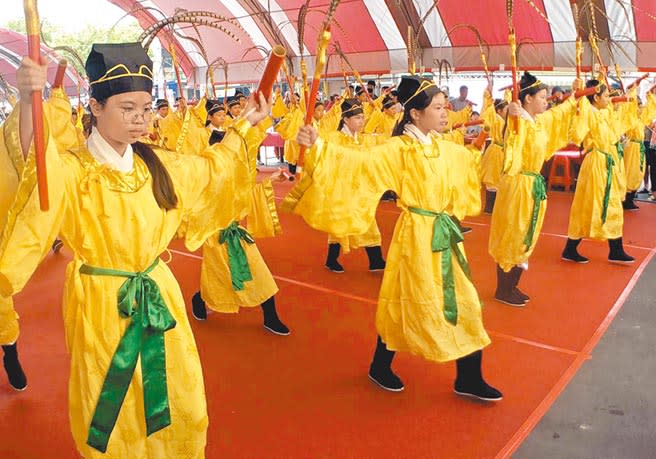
[(240, 272), (139, 298), (609, 178), (446, 236), (539, 195), (620, 149)]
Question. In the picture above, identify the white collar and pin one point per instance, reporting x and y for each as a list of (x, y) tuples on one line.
[(347, 131), (105, 154), (413, 131), (526, 115)]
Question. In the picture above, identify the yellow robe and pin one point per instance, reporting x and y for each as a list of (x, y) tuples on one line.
[(11, 168), (12, 165), (492, 161), (215, 281), (634, 150), (535, 142), (194, 137), (461, 116), (599, 131), (168, 130), (331, 119), (110, 219), (216, 287), (279, 109), (381, 123), (371, 237), (339, 194), (288, 128)]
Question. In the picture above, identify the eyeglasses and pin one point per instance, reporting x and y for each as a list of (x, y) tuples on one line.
[(132, 115)]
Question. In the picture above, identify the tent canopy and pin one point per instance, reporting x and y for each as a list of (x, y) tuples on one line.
[(13, 46), (373, 33)]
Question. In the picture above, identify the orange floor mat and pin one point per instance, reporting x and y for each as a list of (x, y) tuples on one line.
[(307, 395)]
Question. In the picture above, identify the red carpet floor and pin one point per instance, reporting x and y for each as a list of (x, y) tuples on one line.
[(307, 395)]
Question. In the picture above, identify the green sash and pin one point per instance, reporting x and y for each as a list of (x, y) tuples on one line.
[(539, 195), (446, 236), (642, 153), (240, 272), (139, 298), (609, 178)]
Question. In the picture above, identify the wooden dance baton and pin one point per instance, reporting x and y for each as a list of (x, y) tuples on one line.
[(270, 75), (322, 47), (468, 123), (619, 99), (637, 82), (34, 50), (61, 72)]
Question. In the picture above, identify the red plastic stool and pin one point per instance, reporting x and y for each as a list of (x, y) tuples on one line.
[(564, 180)]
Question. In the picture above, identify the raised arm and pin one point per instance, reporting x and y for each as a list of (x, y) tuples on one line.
[(342, 185), (214, 186)]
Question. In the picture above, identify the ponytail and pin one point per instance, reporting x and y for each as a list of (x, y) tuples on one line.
[(163, 188)]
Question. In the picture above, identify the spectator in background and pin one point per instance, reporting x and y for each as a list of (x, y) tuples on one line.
[(473, 131), (394, 94), (461, 102), (181, 106), (371, 88), (557, 94)]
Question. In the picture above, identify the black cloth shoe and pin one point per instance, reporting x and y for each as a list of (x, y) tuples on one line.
[(490, 198), (469, 380), (506, 292), (628, 203), (389, 196), (617, 254), (515, 274), (198, 308), (15, 374), (571, 254), (380, 370), (57, 245), (463, 229), (331, 260), (375, 255), (271, 320)]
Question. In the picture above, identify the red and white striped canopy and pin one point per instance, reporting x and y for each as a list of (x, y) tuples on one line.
[(372, 32), (13, 46)]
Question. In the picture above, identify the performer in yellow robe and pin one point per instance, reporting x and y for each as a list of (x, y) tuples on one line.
[(118, 213), (494, 115), (233, 273), (427, 304), (382, 121), (596, 210), (216, 116), (350, 134), (288, 128), (12, 164), (234, 110), (290, 124), (634, 150), (522, 192), (166, 126)]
